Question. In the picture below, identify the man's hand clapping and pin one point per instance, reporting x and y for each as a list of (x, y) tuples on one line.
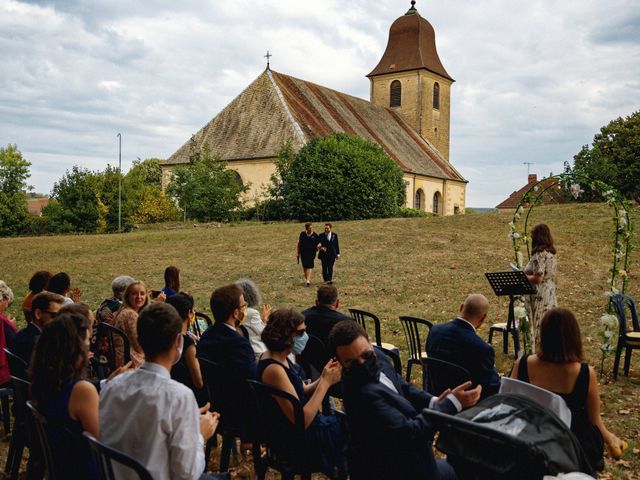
[(208, 422)]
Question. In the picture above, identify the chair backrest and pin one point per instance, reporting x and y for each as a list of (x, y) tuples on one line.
[(363, 318), (104, 456), (21, 395), (622, 302), (106, 344), (196, 327), (442, 375), (313, 358), (411, 327), (395, 359), (294, 449), (37, 424), (17, 365)]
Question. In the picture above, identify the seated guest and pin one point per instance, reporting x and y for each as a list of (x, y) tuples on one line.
[(63, 396), (321, 318), (171, 281), (109, 306), (45, 306), (223, 344), (187, 370), (8, 332), (149, 416), (135, 299), (285, 334), (558, 366), (60, 283), (457, 342), (255, 320), (389, 437), (37, 284)]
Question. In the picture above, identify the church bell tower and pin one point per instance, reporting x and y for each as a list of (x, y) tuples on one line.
[(410, 78)]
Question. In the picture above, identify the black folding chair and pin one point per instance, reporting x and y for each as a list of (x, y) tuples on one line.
[(17, 365), (365, 318), (394, 358), (196, 327), (415, 343), (313, 358), (104, 456), (628, 340), (227, 399), (290, 457), (37, 425), (442, 375), (105, 361)]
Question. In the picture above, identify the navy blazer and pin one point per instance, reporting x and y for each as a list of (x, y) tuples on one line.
[(320, 320), (458, 343), (333, 246), (25, 342), (389, 436)]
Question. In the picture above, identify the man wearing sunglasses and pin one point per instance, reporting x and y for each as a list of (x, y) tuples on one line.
[(389, 436)]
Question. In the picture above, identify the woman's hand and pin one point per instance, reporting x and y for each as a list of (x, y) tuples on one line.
[(76, 293), (265, 312), (332, 372)]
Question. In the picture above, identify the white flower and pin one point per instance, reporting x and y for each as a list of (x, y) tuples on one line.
[(623, 218), (608, 321), (512, 225), (519, 259), (516, 235), (520, 210), (520, 312), (576, 190), (535, 189), (517, 216)]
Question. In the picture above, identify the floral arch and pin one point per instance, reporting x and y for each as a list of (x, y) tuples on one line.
[(571, 184)]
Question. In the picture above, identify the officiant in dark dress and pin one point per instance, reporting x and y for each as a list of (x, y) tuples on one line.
[(307, 249), (329, 252)]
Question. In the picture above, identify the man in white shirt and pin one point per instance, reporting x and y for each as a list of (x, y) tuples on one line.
[(149, 416)]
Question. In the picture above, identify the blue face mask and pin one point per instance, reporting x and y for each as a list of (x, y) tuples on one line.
[(299, 343)]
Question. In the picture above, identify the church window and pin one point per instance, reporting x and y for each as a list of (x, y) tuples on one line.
[(436, 202), (395, 94), (238, 179), (417, 203), (436, 96)]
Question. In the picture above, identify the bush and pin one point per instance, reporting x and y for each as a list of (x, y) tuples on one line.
[(339, 178), (413, 213)]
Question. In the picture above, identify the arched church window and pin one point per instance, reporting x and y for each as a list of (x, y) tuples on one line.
[(238, 179), (436, 202), (395, 94), (436, 95), (417, 203)]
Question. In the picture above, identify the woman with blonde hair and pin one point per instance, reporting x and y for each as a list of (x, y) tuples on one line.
[(134, 300)]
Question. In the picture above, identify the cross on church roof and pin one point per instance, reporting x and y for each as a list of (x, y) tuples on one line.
[(268, 56)]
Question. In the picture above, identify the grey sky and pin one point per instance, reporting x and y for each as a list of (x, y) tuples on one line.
[(535, 80)]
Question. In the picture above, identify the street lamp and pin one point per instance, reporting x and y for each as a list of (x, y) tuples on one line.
[(119, 182)]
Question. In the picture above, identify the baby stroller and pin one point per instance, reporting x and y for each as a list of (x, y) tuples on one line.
[(507, 436)]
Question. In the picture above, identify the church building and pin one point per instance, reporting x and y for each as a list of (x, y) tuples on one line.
[(408, 115)]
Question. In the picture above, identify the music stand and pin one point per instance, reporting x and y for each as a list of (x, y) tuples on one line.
[(514, 284)]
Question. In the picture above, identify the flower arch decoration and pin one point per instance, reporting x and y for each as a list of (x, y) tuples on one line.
[(572, 184)]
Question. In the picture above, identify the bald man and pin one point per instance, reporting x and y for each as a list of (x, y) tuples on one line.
[(457, 342)]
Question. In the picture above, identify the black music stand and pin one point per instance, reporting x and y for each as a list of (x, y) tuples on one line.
[(513, 284)]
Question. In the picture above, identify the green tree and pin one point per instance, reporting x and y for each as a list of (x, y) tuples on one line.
[(205, 189), (339, 177), (14, 172), (614, 156)]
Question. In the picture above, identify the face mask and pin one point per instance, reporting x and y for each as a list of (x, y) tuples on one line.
[(180, 348), (365, 372), (299, 343)]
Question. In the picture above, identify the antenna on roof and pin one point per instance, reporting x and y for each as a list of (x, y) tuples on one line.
[(528, 164), (268, 56)]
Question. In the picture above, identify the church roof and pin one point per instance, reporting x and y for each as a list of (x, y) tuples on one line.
[(411, 45), (276, 108)]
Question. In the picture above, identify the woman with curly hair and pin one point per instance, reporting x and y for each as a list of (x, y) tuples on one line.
[(285, 333), (541, 272), (63, 396), (255, 320), (135, 299)]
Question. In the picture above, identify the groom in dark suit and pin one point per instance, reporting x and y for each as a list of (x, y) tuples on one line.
[(457, 342), (329, 249), (389, 436)]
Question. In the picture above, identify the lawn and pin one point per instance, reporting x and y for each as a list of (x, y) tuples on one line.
[(422, 267)]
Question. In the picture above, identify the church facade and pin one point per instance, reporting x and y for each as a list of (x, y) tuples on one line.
[(408, 115)]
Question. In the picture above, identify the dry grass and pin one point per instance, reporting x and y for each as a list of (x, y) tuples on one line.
[(392, 267)]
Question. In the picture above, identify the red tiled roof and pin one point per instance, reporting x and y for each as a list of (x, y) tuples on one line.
[(550, 197), (35, 205)]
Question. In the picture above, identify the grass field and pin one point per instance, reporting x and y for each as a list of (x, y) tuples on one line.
[(422, 267)]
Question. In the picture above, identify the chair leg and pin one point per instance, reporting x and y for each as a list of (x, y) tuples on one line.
[(616, 362), (505, 341), (16, 449), (6, 415), (409, 370), (627, 361), (258, 463), (490, 335), (228, 443)]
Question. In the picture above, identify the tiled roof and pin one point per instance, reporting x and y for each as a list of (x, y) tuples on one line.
[(551, 196), (35, 205), (277, 107)]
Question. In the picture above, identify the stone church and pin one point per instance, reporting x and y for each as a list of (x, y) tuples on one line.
[(408, 115)]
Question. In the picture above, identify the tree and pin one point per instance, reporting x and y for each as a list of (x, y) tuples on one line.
[(205, 189), (614, 156), (339, 177), (14, 172)]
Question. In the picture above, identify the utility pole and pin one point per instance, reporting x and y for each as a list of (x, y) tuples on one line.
[(119, 182)]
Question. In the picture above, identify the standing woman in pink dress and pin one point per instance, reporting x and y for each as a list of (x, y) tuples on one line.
[(541, 272)]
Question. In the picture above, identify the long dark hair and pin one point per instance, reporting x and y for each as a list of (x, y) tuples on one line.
[(541, 239), (172, 278), (59, 357), (560, 339)]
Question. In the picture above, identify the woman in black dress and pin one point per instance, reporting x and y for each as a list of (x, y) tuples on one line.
[(307, 248)]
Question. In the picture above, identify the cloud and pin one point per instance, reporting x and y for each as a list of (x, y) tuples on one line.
[(533, 83)]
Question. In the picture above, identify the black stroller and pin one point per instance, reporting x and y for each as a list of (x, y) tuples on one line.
[(508, 436)]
